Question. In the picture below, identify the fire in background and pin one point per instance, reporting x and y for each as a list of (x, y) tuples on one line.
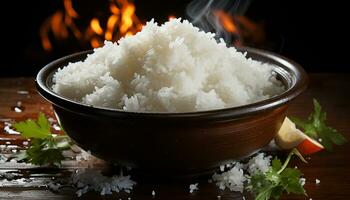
[(62, 25), (120, 20)]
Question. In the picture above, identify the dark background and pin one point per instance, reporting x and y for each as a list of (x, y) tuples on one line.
[(313, 33)]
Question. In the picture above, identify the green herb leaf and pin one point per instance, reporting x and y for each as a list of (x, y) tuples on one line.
[(43, 122), (43, 151), (44, 147), (290, 180), (316, 128), (31, 129), (276, 164), (279, 178)]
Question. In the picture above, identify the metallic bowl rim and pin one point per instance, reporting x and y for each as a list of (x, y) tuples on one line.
[(293, 68)]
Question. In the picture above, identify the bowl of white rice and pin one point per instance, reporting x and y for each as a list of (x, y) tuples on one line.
[(171, 99)]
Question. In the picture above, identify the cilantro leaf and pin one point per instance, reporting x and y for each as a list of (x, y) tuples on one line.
[(316, 128), (290, 180), (265, 193), (276, 164), (279, 178), (43, 122), (44, 151), (260, 186), (45, 148), (31, 129)]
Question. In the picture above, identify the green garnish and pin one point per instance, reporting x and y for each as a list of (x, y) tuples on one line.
[(316, 128), (278, 179), (45, 147)]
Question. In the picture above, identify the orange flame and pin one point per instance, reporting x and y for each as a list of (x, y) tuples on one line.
[(112, 21), (95, 42), (62, 25), (45, 41), (126, 18), (57, 25), (243, 28), (96, 27), (114, 9), (69, 8), (226, 21)]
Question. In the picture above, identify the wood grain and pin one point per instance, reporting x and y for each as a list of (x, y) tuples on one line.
[(332, 168)]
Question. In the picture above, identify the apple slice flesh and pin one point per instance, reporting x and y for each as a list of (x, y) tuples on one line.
[(289, 137)]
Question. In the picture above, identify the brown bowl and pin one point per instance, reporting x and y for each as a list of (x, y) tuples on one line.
[(175, 143)]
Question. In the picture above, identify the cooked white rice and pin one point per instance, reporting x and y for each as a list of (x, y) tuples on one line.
[(174, 67), (233, 177), (259, 163), (92, 180)]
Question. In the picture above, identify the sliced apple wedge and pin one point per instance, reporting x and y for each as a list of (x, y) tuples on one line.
[(289, 137), (309, 146)]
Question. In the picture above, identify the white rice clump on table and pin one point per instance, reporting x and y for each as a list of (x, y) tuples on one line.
[(259, 163), (173, 67), (235, 177), (232, 179), (91, 179)]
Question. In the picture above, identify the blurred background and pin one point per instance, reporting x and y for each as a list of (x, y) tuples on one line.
[(34, 33)]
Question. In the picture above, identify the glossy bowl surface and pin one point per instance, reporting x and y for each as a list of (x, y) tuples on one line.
[(175, 143)]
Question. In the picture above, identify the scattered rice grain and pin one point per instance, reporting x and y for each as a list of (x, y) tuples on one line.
[(317, 181), (193, 187)]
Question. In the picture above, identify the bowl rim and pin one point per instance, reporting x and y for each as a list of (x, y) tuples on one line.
[(299, 85)]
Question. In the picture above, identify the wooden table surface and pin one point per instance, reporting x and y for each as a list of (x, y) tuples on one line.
[(331, 168)]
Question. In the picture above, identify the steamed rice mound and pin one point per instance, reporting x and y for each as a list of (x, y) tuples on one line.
[(174, 67)]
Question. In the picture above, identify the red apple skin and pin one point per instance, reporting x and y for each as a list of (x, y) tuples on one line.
[(307, 147)]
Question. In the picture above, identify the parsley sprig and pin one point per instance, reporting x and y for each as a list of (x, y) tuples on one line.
[(315, 127), (278, 179), (45, 148)]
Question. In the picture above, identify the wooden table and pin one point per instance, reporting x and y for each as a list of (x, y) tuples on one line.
[(331, 168)]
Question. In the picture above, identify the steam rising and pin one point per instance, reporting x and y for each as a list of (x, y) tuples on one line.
[(201, 14)]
